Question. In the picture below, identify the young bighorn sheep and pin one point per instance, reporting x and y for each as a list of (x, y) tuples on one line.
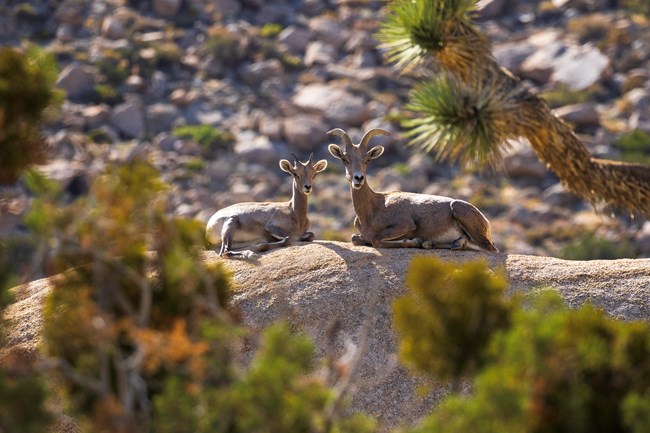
[(406, 220), (271, 224)]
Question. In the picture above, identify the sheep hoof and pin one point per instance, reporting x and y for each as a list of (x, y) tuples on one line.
[(459, 244), (358, 241), (428, 245)]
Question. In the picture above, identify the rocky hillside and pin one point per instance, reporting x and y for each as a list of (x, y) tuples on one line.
[(215, 92), (312, 285)]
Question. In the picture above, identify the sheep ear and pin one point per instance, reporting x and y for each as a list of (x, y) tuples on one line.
[(375, 152), (285, 165), (335, 151), (320, 165)]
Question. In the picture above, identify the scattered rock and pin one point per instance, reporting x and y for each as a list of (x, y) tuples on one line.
[(319, 52), (128, 118), (160, 117), (96, 115), (490, 9), (583, 114), (77, 80), (167, 8), (227, 8), (521, 162), (580, 67), (255, 73), (113, 28), (295, 39), (256, 149), (336, 104), (304, 132), (328, 30)]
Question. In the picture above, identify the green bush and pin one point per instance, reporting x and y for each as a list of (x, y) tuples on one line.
[(636, 6), (445, 322), (592, 247), (557, 370), (634, 146), (270, 30), (564, 95), (140, 330), (208, 137), (223, 45), (26, 91)]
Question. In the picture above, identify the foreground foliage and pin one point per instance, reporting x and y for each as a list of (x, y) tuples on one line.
[(543, 367), (26, 91), (138, 330)]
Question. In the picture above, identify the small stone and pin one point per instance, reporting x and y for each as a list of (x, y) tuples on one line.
[(128, 119), (580, 67), (318, 52), (96, 115), (160, 117), (583, 114), (167, 8), (304, 132), (77, 80), (490, 9), (336, 104), (520, 162), (329, 31), (113, 28), (255, 73), (255, 149), (294, 38)]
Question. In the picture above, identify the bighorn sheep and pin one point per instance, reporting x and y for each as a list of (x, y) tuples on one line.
[(406, 220), (272, 224)]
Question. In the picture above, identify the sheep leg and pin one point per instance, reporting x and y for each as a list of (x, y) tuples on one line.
[(307, 237), (458, 244), (227, 231), (272, 232), (397, 237), (359, 241)]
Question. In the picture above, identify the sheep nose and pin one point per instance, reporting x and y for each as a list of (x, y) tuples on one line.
[(307, 187), (358, 177)]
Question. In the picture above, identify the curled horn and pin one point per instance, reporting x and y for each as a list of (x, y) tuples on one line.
[(368, 135), (344, 136), (295, 159), (310, 158)]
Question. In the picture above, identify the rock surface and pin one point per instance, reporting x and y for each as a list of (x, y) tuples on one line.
[(312, 285)]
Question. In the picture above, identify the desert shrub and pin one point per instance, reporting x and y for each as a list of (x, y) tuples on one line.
[(114, 65), (589, 246), (447, 319), (139, 330), (634, 146), (557, 370), (636, 6), (564, 95), (592, 27), (26, 91), (270, 30), (106, 93), (211, 139), (224, 45)]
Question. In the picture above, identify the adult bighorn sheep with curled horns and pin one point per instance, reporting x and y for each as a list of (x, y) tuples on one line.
[(402, 219), (268, 225)]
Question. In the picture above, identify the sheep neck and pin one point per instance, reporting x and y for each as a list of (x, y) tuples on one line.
[(298, 204), (364, 201)]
